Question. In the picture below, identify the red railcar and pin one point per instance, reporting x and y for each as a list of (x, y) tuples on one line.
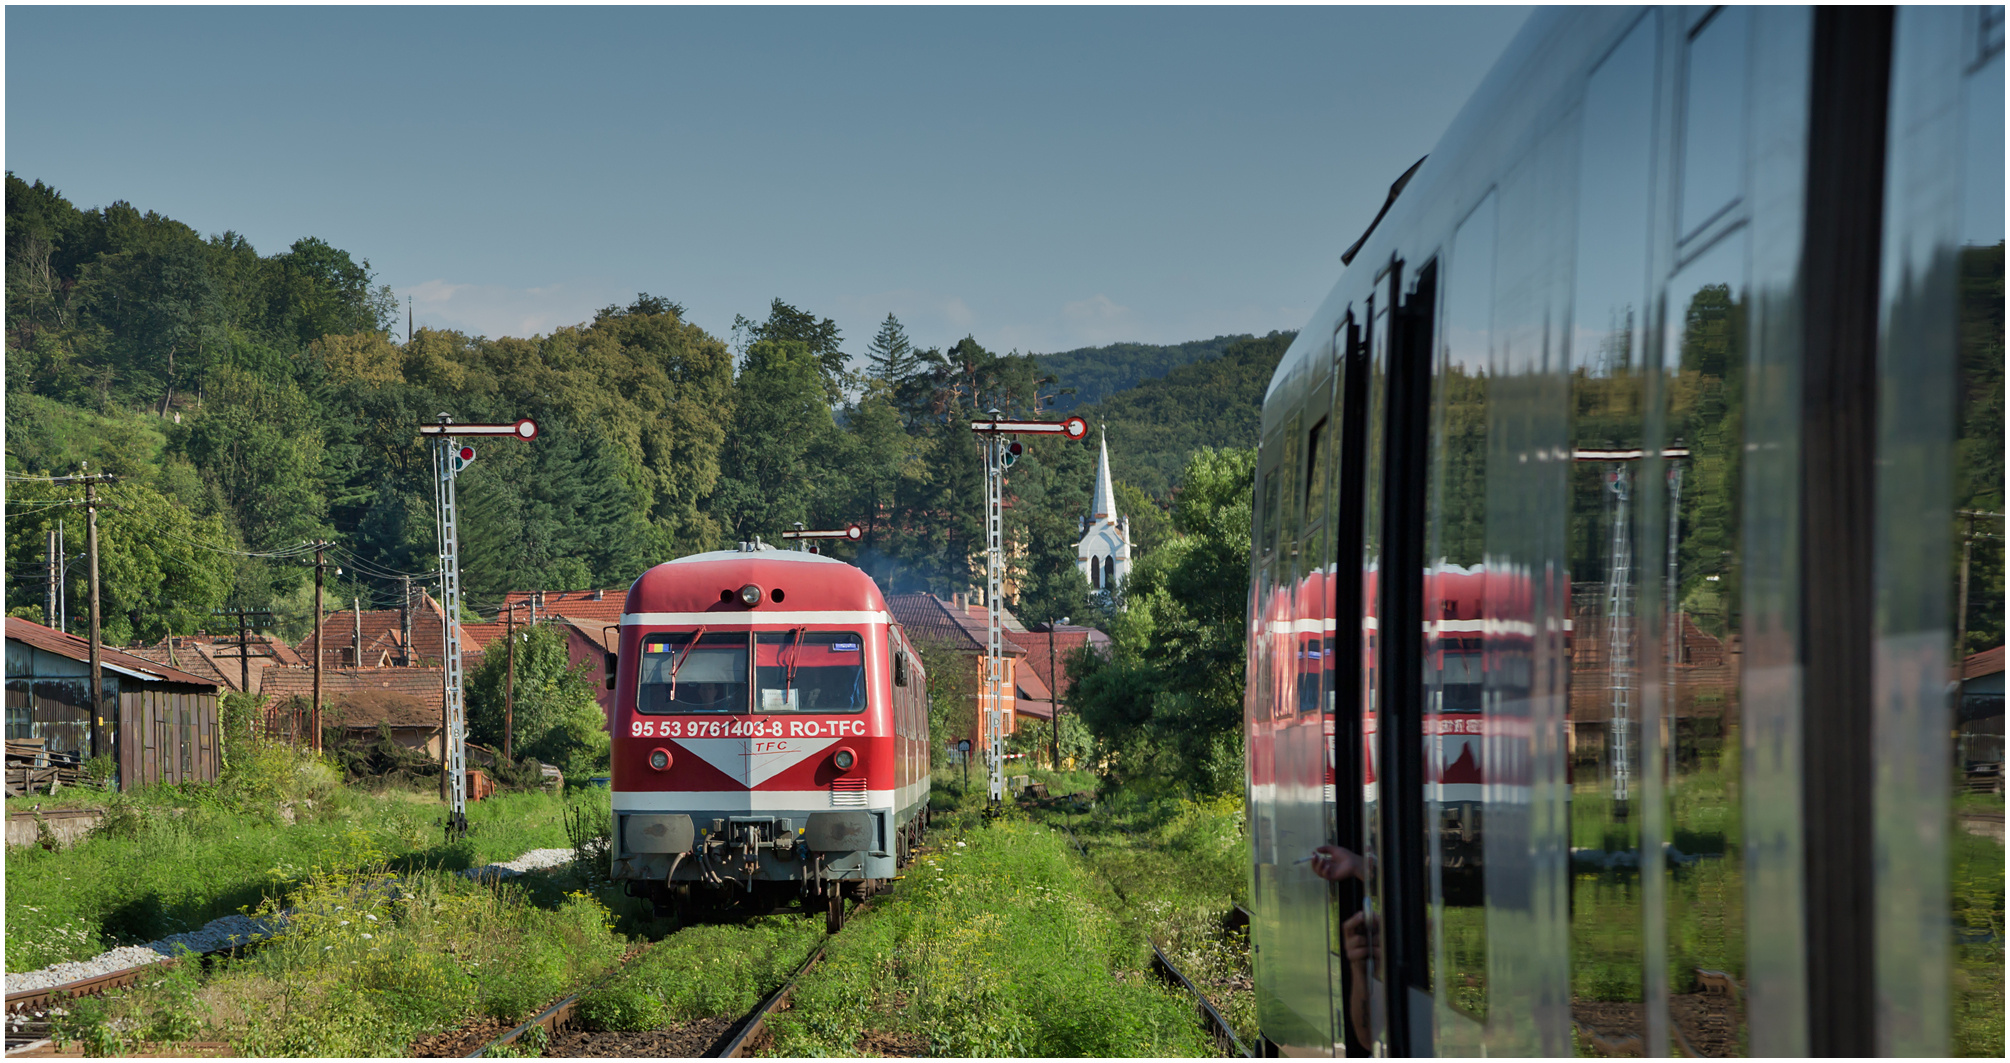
[(770, 733)]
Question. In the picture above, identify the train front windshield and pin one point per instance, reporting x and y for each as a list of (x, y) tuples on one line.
[(792, 671), (679, 677), (809, 671)]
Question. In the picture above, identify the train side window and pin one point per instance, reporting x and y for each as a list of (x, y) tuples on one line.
[(1316, 475), (1289, 517), (1270, 506), (1713, 118)]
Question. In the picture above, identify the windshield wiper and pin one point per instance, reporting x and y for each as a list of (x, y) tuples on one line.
[(795, 655), (679, 662)]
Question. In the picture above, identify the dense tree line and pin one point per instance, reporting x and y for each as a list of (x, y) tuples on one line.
[(251, 403)]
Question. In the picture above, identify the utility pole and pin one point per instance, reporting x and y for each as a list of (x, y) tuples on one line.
[(62, 580), (450, 456), (1054, 691), (509, 684), (97, 664), (405, 621), (320, 647), (244, 641), (49, 609), (356, 655), (999, 454), (1968, 537), (99, 744)]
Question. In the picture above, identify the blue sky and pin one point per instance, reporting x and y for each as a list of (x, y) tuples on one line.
[(1041, 178)]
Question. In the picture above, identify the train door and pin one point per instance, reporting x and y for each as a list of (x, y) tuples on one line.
[(1389, 1003)]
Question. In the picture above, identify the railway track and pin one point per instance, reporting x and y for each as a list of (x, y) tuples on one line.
[(736, 1040), (1162, 965), (29, 1011)]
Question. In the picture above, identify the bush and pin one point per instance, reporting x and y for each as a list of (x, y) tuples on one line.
[(999, 944), (365, 965)]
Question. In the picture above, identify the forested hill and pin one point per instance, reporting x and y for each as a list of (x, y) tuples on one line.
[(250, 404), (1213, 403), (1091, 374)]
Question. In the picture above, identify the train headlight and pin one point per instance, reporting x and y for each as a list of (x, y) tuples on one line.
[(659, 759), (844, 759), (750, 596)]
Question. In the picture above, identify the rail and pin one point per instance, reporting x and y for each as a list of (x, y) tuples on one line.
[(555, 1016)]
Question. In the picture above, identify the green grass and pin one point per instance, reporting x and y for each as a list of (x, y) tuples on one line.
[(369, 961), (999, 942), (170, 859), (1180, 865), (1977, 904)]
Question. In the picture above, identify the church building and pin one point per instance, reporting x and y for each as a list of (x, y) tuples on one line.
[(1104, 554)]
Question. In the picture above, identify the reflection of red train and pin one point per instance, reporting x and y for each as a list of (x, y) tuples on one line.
[(770, 732)]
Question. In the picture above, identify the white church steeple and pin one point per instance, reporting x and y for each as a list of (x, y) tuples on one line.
[(1104, 554)]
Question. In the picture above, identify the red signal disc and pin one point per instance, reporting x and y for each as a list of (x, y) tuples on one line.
[(467, 453)]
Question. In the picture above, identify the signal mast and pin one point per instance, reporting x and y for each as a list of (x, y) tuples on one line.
[(1000, 452), (450, 456)]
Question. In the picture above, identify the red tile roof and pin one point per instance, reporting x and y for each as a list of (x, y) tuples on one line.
[(422, 686), (1987, 662), (380, 628), (1065, 641), (79, 649), (927, 618), (603, 606)]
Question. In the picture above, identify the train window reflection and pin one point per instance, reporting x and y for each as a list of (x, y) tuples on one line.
[(1713, 118), (1605, 742), (1696, 489), (1454, 600), (1975, 842), (809, 671), (679, 677)]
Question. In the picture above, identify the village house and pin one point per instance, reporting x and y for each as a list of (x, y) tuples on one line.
[(360, 700), (591, 621), (162, 721)]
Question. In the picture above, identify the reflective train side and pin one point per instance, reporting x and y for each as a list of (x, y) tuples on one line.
[(770, 733), (1600, 594)]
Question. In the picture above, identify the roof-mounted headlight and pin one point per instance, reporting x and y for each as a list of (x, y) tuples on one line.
[(750, 595)]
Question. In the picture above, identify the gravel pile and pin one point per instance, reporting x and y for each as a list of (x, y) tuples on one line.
[(218, 934), (535, 860), (227, 931)]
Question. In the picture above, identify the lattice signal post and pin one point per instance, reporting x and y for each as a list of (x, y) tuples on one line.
[(451, 453), (1000, 451)]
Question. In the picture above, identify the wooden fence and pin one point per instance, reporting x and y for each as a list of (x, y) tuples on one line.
[(168, 736)]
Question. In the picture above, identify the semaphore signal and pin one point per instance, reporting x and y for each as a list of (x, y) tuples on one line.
[(449, 459), (1000, 452)]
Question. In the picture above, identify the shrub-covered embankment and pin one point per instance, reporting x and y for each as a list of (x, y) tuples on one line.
[(369, 960), (170, 859)]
